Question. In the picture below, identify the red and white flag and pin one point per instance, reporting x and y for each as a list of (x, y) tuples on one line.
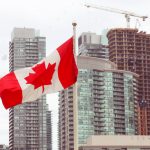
[(54, 73)]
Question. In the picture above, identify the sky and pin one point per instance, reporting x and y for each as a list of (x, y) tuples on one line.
[(54, 20)]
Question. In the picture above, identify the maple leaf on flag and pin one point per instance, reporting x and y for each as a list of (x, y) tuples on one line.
[(42, 75)]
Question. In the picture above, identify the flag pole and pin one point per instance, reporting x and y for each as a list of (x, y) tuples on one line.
[(75, 98)]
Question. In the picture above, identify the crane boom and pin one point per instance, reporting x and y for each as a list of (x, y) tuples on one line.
[(114, 10)]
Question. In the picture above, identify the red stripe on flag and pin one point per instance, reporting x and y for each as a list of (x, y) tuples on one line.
[(67, 69), (10, 90)]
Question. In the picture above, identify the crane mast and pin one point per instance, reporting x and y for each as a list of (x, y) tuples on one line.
[(127, 14)]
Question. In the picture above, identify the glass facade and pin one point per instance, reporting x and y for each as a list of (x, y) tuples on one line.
[(129, 105), (130, 50), (106, 104), (86, 114)]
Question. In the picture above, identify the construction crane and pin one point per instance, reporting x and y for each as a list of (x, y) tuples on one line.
[(126, 13)]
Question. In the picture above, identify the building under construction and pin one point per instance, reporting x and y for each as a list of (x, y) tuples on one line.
[(130, 50)]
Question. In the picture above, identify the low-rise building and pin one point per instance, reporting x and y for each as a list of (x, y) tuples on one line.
[(117, 142)]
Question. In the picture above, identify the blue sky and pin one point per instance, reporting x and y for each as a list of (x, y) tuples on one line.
[(54, 20)]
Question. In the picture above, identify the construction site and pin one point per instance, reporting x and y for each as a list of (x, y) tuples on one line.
[(129, 49)]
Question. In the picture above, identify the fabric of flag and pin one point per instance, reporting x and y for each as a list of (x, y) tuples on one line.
[(54, 73)]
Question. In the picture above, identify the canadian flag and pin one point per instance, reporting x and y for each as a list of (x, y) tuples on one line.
[(54, 73)]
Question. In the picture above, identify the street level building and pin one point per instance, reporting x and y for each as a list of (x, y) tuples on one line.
[(119, 142)]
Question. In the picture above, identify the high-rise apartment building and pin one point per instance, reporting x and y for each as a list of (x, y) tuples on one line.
[(49, 130), (107, 102), (90, 45), (130, 50), (27, 122)]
